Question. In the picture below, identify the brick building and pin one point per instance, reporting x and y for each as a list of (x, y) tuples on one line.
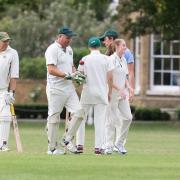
[(157, 68)]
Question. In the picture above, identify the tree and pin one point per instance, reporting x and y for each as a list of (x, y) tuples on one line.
[(33, 31), (152, 16), (100, 7)]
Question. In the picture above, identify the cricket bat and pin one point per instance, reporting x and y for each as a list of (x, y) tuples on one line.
[(16, 130)]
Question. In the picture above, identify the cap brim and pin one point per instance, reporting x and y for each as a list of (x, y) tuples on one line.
[(73, 34), (69, 34), (5, 39), (101, 38)]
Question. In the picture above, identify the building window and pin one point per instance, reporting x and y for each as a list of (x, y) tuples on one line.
[(137, 60), (165, 65)]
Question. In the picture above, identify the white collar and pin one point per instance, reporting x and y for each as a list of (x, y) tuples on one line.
[(95, 51)]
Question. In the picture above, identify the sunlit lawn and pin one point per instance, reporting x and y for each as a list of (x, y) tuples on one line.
[(153, 154)]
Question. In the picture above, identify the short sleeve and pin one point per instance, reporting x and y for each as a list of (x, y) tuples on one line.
[(14, 73), (81, 65), (110, 64), (51, 55), (129, 56)]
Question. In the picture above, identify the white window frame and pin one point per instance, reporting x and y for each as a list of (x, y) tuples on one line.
[(137, 59), (160, 89)]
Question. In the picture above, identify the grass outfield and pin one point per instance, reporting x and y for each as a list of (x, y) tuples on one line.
[(153, 154)]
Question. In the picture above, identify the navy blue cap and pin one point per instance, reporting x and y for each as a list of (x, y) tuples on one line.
[(66, 31)]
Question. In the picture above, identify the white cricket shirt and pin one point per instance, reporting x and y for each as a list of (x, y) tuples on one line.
[(96, 66), (63, 61), (9, 67), (120, 71)]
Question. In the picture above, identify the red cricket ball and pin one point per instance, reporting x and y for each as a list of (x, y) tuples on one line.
[(81, 62)]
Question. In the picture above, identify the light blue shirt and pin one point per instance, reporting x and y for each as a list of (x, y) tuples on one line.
[(129, 56)]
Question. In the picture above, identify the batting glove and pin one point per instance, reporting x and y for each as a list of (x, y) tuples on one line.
[(9, 98), (68, 76), (79, 78)]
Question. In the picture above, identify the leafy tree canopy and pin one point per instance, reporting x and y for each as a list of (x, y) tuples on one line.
[(151, 16), (100, 7), (32, 31)]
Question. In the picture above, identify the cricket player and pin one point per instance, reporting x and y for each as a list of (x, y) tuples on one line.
[(119, 112), (108, 39), (60, 89), (9, 63), (98, 71)]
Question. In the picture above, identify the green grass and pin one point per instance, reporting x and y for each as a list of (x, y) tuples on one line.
[(153, 154)]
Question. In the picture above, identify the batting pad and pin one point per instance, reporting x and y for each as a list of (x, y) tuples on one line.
[(73, 127), (52, 131), (55, 118), (4, 132)]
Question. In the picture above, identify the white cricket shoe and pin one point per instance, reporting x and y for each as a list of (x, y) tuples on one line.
[(56, 152), (115, 149), (108, 151), (69, 146), (4, 149), (121, 149)]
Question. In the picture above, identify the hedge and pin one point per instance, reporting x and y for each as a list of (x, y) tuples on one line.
[(35, 68), (178, 113), (33, 111), (148, 114)]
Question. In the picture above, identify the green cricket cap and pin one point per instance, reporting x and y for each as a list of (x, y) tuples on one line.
[(66, 31), (94, 42), (109, 32), (4, 36)]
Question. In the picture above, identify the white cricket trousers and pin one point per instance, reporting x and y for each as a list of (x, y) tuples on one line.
[(5, 121), (57, 100), (118, 120), (80, 135), (99, 122)]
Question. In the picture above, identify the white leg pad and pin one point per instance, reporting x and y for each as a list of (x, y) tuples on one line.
[(4, 132), (52, 131), (74, 124)]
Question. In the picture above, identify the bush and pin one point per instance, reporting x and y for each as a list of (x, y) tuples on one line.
[(33, 68), (81, 52), (178, 114), (165, 116), (78, 54), (33, 111), (150, 114)]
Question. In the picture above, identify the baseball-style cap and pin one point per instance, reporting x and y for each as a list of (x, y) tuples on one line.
[(66, 31), (4, 36), (94, 42), (109, 32)]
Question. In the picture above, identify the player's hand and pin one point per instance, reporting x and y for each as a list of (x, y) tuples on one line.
[(122, 94), (79, 78), (131, 95), (9, 98), (68, 76)]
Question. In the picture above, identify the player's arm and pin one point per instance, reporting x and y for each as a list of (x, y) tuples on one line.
[(12, 84), (131, 74), (130, 89), (110, 83), (53, 70), (74, 69), (121, 91), (9, 96)]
